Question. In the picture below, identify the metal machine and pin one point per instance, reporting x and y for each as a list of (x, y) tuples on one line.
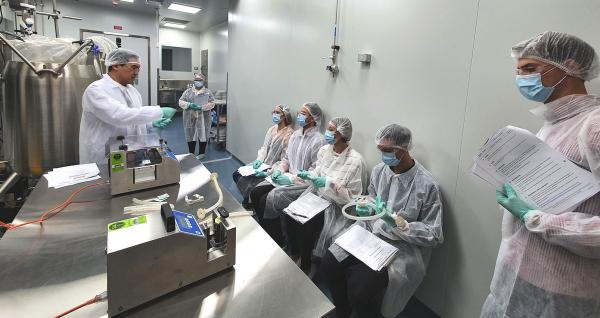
[(140, 162), (154, 254)]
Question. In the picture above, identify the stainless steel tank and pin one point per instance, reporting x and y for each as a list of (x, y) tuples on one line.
[(41, 115)]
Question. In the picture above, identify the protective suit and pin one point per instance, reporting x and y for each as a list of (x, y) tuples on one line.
[(301, 155), (109, 110), (414, 195), (196, 123), (549, 265), (272, 151)]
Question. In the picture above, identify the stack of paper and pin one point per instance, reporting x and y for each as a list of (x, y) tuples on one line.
[(287, 174), (306, 207), (367, 247), (541, 175), (70, 175), (249, 170)]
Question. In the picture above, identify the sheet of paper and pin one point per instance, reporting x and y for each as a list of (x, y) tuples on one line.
[(70, 175), (367, 247), (249, 170), (306, 207), (287, 174), (541, 175)]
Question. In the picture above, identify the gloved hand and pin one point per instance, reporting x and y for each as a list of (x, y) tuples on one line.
[(256, 164), (389, 220), (282, 179), (362, 210), (320, 182), (168, 112), (304, 175), (260, 174), (379, 205), (194, 106), (161, 123), (511, 202), (275, 174), (394, 221)]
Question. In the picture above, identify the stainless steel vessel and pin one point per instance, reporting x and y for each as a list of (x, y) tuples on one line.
[(41, 115)]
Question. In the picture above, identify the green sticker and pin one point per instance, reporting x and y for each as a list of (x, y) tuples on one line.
[(117, 159), (126, 223)]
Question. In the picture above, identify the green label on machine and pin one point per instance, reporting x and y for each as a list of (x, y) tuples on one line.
[(117, 161), (126, 223)]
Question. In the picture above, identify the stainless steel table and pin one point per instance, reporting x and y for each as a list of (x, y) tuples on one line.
[(45, 270)]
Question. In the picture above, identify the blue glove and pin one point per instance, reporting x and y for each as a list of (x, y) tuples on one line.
[(168, 112), (379, 205), (256, 164), (194, 106), (389, 220), (260, 174), (304, 175), (511, 202), (161, 123), (275, 174), (362, 210), (320, 182), (282, 179)]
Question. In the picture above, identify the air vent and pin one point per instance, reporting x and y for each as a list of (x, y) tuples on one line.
[(164, 20)]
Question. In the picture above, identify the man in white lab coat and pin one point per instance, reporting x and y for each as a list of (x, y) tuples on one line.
[(113, 107)]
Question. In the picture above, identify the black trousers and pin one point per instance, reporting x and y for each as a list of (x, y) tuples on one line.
[(303, 237), (353, 286), (258, 196), (192, 147)]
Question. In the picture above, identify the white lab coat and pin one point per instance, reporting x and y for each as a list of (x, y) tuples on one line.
[(111, 109)]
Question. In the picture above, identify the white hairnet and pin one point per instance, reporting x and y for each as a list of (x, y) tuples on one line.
[(567, 52), (285, 109), (397, 136), (344, 126), (120, 56), (315, 111), (199, 77)]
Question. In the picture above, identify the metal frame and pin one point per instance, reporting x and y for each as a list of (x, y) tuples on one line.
[(81, 31)]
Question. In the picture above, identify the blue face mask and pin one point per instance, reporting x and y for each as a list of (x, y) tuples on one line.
[(301, 120), (389, 158), (198, 84), (531, 87), (276, 118), (330, 137)]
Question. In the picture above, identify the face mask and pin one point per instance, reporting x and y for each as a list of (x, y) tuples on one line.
[(531, 87), (198, 84), (389, 158), (330, 137), (276, 118), (301, 120)]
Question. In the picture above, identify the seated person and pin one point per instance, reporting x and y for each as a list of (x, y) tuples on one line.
[(414, 228), (301, 155), (340, 173), (272, 151)]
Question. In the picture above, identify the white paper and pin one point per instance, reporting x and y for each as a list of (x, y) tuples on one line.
[(249, 170), (306, 207), (70, 175), (287, 174), (367, 247), (541, 175)]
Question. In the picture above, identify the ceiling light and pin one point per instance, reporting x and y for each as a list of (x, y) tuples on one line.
[(183, 8), (174, 25), (130, 1)]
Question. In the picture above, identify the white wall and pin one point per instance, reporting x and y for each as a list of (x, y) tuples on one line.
[(101, 18), (215, 41), (181, 38), (442, 68)]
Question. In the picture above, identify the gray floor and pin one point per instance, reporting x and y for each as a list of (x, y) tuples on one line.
[(222, 162)]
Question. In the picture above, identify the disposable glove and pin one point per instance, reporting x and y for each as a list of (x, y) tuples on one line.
[(511, 202)]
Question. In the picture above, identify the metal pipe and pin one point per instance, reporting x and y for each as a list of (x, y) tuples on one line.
[(55, 18), (25, 60), (62, 66), (12, 179)]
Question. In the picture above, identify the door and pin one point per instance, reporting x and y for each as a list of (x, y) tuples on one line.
[(140, 46)]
